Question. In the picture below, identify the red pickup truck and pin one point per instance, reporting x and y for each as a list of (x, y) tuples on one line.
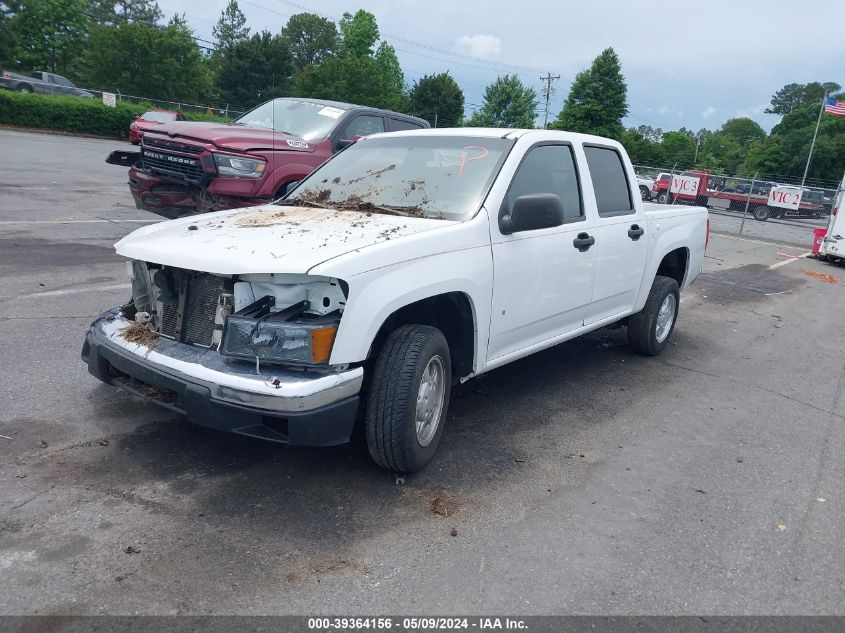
[(184, 168)]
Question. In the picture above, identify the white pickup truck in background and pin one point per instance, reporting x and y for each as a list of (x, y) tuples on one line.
[(407, 263)]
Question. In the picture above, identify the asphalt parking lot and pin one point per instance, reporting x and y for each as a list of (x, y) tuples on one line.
[(585, 479)]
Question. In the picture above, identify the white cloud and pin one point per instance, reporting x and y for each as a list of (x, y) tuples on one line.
[(481, 46), (753, 111), (664, 109), (710, 111)]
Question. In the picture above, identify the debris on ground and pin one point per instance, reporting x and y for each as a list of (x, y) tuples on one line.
[(5, 437), (454, 531), (140, 334), (322, 568), (440, 505), (132, 550), (399, 480), (193, 227), (830, 279), (781, 527), (290, 576), (43, 444), (103, 441)]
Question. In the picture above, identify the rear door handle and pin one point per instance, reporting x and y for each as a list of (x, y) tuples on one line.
[(583, 242), (636, 232)]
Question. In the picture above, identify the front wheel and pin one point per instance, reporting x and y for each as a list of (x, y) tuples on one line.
[(645, 194), (25, 88), (408, 398), (663, 197), (650, 329)]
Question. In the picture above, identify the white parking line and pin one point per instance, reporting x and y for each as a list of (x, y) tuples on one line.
[(790, 260), (71, 291)]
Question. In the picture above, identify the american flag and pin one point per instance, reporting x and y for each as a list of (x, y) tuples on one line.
[(832, 106)]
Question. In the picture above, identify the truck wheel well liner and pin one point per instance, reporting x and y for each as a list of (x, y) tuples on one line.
[(452, 314), (674, 265)]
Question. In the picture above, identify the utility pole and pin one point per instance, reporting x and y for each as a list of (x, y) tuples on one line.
[(547, 92)]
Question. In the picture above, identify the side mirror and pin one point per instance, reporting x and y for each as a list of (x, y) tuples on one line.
[(531, 212), (346, 142)]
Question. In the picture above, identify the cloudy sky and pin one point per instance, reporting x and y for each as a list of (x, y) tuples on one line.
[(686, 64)]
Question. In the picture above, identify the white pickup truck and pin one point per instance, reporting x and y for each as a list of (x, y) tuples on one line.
[(407, 263)]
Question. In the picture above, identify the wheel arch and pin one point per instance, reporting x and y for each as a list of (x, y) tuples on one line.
[(438, 311), (675, 264)]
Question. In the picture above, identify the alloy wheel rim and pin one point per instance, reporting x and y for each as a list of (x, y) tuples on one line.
[(430, 397), (665, 317)]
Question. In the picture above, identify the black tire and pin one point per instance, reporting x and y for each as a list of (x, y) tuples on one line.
[(645, 194), (25, 88), (761, 213), (391, 405), (642, 327), (663, 197)]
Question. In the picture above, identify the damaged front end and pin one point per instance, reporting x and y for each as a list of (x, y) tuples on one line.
[(247, 354)]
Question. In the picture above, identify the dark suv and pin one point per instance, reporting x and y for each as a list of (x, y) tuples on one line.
[(191, 167)]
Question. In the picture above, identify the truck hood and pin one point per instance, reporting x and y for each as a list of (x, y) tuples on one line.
[(235, 137), (266, 239)]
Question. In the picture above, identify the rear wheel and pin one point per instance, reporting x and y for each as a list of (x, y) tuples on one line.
[(761, 213), (645, 194), (663, 197), (24, 88), (650, 329), (408, 398)]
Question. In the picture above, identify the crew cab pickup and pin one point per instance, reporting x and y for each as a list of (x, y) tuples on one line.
[(41, 82), (407, 263), (185, 168)]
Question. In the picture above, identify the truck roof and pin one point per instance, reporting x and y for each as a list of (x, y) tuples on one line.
[(499, 132)]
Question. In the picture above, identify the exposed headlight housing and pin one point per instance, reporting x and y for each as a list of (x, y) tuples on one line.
[(285, 337), (239, 167)]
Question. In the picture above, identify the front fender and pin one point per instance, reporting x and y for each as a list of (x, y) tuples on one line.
[(375, 295)]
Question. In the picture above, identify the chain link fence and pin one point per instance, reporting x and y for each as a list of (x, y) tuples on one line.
[(778, 210), (227, 110)]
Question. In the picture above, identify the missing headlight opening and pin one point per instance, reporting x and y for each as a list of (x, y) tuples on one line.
[(284, 319)]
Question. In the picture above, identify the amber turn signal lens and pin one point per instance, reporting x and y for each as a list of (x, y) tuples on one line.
[(322, 340)]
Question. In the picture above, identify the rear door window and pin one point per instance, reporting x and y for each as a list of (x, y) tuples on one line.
[(397, 125), (613, 194)]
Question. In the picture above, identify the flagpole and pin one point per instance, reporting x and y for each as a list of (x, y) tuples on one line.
[(813, 144)]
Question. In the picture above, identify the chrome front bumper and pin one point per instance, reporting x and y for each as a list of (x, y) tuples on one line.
[(284, 405)]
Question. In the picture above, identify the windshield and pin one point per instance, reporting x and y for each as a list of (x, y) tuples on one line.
[(310, 121), (161, 117), (443, 177)]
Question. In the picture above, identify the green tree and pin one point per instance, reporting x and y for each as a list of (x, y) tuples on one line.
[(310, 39), (507, 103), (109, 12), (438, 99), (392, 75), (358, 34), (8, 32), (793, 96), (743, 130), (161, 62), (597, 101), (230, 28), (679, 149), (50, 33), (357, 80), (254, 70), (642, 149), (783, 155)]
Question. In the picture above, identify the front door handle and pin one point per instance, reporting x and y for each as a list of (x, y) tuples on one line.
[(583, 242), (635, 232)]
